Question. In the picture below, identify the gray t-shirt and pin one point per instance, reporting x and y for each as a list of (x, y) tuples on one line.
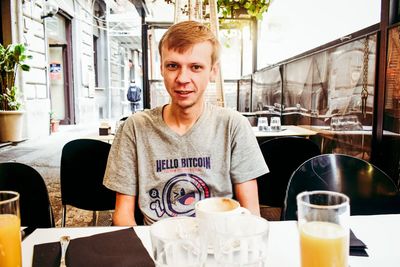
[(171, 172)]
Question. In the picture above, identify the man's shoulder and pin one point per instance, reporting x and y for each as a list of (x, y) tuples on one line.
[(145, 115), (224, 112), (152, 112)]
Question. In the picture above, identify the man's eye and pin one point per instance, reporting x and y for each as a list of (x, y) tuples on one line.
[(196, 67), (172, 66)]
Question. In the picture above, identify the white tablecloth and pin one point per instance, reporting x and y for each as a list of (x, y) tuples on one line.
[(380, 233), (287, 130)]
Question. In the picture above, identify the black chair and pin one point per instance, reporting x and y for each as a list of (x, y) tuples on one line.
[(389, 157), (35, 208), (283, 155), (370, 190), (83, 162)]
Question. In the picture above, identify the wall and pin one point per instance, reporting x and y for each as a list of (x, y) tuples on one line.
[(22, 22), (35, 82), (84, 77)]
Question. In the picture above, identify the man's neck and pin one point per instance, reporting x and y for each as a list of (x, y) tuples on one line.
[(181, 120)]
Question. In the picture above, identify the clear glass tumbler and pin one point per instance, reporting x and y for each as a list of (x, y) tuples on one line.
[(10, 230), (323, 222), (262, 124), (178, 242), (242, 241), (275, 124)]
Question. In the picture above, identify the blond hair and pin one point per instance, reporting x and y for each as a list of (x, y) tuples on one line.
[(182, 36)]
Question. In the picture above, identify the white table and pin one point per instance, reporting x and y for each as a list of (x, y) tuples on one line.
[(380, 233), (287, 130), (105, 138)]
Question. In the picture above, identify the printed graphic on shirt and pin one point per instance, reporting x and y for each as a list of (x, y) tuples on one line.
[(179, 195), (176, 165)]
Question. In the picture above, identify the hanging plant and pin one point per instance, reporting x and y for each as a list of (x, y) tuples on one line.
[(230, 9), (236, 8)]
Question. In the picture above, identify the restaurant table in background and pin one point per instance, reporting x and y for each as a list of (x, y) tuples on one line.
[(380, 233), (355, 139), (105, 138), (286, 130)]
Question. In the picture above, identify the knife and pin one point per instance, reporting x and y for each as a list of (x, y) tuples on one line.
[(64, 241)]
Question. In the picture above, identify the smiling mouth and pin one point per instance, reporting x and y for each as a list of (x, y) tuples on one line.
[(183, 92)]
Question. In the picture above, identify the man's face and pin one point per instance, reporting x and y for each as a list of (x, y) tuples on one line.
[(186, 75)]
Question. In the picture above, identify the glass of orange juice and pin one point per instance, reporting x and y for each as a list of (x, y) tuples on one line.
[(323, 222), (10, 232)]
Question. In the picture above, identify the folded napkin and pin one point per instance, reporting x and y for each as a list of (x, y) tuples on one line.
[(121, 248), (357, 247)]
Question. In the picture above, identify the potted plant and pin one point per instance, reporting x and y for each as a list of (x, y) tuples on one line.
[(54, 122), (12, 58)]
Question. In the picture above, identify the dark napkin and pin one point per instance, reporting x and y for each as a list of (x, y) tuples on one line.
[(121, 248), (357, 247)]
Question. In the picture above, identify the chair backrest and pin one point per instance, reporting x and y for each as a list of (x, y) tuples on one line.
[(83, 162), (35, 208), (283, 155), (370, 190), (389, 159)]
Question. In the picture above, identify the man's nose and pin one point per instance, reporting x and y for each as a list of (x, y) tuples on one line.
[(183, 75)]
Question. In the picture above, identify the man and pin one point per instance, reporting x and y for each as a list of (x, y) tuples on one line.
[(133, 95), (174, 155)]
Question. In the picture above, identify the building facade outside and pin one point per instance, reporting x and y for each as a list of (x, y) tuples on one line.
[(81, 62)]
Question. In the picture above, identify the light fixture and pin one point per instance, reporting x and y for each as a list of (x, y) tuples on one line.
[(50, 8)]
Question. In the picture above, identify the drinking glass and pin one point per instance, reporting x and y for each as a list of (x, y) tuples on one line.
[(275, 124), (323, 222), (262, 124), (10, 232), (178, 242), (353, 124), (214, 211), (334, 123), (242, 241)]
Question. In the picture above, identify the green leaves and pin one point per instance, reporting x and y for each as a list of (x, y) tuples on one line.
[(11, 97), (25, 67), (234, 8), (12, 58)]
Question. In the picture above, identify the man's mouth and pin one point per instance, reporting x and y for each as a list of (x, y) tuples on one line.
[(183, 92)]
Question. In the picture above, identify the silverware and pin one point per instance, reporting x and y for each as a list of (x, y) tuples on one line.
[(64, 241)]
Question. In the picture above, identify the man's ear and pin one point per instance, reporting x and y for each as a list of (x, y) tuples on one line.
[(214, 72)]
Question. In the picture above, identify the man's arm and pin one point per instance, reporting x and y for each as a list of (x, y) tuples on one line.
[(247, 195), (124, 210)]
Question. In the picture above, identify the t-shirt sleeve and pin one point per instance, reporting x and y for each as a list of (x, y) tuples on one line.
[(121, 171), (247, 161)]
